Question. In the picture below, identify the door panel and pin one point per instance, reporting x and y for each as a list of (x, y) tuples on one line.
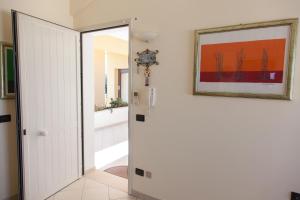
[(49, 79)]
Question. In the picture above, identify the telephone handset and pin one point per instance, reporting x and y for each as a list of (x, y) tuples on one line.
[(152, 98)]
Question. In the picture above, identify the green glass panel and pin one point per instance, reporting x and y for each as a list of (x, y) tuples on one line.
[(10, 65)]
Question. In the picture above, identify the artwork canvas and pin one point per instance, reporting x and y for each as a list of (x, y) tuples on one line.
[(252, 60), (7, 71)]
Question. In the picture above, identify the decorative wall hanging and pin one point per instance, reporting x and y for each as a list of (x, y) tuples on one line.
[(250, 60), (147, 58), (7, 71)]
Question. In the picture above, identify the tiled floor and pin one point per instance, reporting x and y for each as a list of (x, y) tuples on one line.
[(120, 162), (97, 185)]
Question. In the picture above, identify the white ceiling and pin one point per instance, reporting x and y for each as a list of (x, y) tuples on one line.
[(79, 5), (119, 33), (112, 40)]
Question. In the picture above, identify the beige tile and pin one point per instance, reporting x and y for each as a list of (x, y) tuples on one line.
[(97, 185), (92, 184), (95, 194), (128, 198), (69, 195), (109, 179), (78, 185), (117, 194), (95, 191), (51, 198)]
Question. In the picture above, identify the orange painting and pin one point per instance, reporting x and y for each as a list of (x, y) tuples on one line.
[(260, 61)]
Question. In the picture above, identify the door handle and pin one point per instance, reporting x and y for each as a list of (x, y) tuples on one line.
[(43, 133)]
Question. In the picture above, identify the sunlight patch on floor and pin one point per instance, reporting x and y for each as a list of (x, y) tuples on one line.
[(111, 154)]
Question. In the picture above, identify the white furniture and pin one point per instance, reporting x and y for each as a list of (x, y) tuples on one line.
[(111, 128), (110, 117)]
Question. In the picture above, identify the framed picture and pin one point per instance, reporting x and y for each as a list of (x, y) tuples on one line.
[(7, 71), (250, 60)]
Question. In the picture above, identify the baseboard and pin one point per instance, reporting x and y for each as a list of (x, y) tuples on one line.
[(89, 170), (142, 196), (15, 197)]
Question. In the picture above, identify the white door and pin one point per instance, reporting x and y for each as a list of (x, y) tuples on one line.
[(49, 92)]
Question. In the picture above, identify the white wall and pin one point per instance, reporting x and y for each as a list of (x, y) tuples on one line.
[(117, 58), (99, 77), (111, 128), (111, 146), (201, 147), (114, 62), (53, 10)]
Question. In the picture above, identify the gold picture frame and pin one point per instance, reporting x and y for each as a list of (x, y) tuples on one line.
[(7, 82), (289, 58)]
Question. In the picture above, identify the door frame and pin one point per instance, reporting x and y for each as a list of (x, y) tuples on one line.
[(18, 108), (120, 72), (100, 27), (19, 129)]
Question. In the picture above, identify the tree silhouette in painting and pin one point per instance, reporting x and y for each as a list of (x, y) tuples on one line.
[(219, 65), (240, 57), (264, 65)]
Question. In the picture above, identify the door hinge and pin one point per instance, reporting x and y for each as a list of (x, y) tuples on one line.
[(24, 132)]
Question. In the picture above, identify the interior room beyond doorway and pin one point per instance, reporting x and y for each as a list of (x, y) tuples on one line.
[(109, 49)]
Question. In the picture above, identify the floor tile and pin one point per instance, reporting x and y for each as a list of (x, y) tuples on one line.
[(68, 195), (117, 194), (95, 191), (77, 185), (128, 198), (109, 179), (97, 185), (51, 198), (92, 184), (95, 194)]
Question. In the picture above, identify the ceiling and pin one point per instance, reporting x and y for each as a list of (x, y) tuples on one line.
[(113, 40)]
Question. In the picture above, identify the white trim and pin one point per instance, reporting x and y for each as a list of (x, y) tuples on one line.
[(142, 195), (130, 109), (128, 21), (124, 22), (79, 114)]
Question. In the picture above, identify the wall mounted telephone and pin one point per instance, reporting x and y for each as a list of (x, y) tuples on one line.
[(152, 98), (136, 98)]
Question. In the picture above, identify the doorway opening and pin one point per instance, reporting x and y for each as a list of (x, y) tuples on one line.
[(105, 57)]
